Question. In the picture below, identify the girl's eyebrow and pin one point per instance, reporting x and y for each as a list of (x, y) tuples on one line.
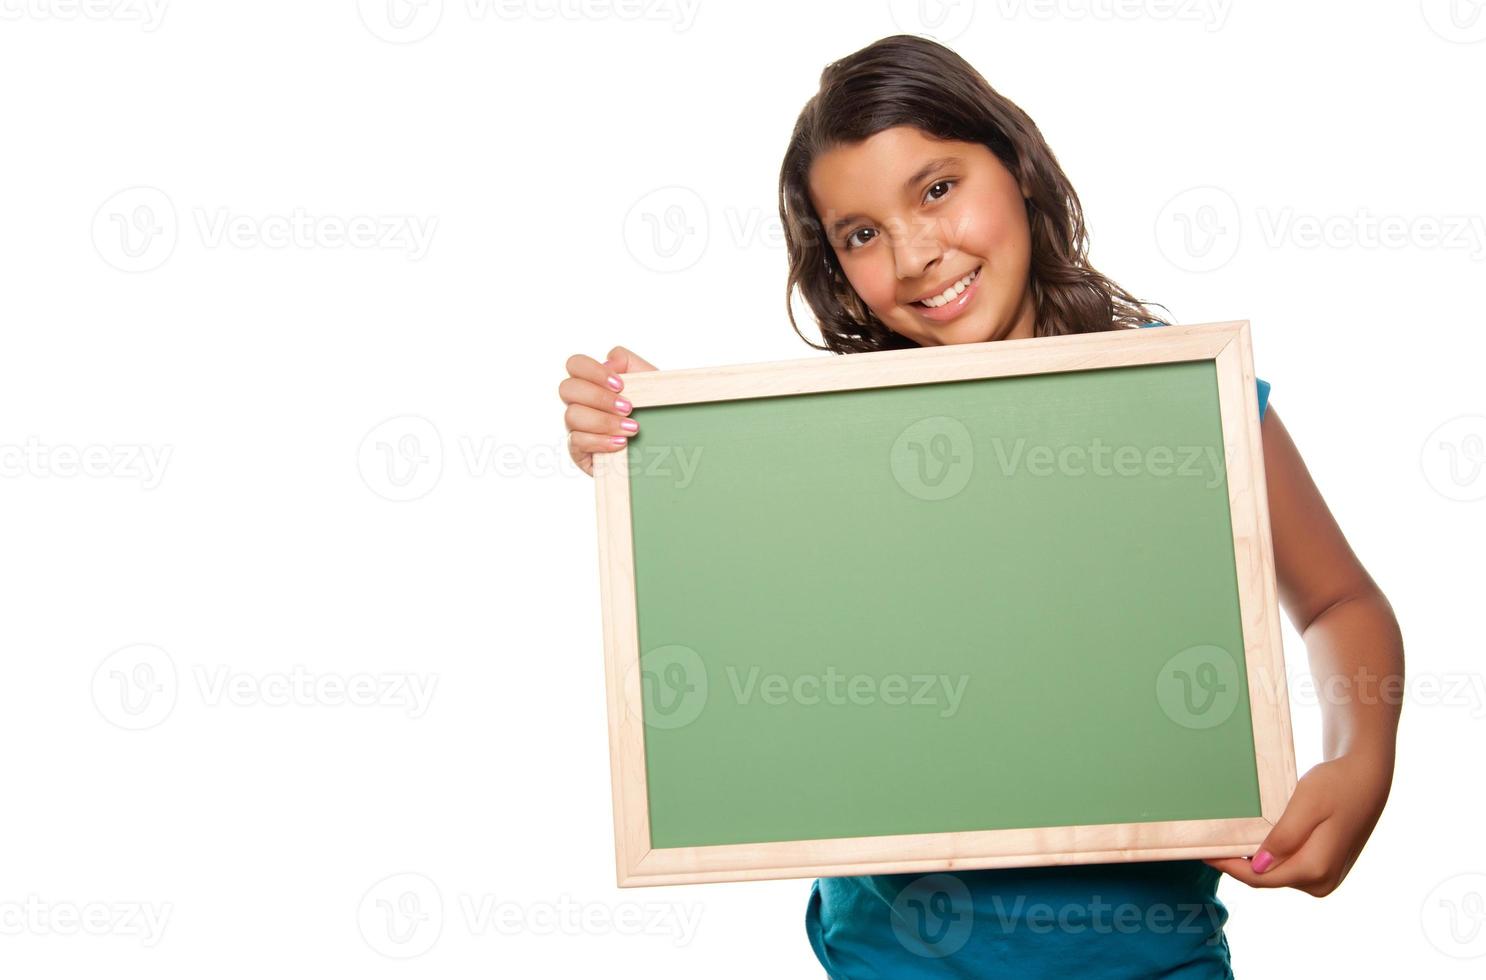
[(908, 185)]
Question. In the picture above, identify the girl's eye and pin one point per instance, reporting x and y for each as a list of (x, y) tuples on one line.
[(853, 242)]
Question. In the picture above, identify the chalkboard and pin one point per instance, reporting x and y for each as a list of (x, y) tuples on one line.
[(974, 606)]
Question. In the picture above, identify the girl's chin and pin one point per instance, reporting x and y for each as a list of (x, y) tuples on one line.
[(962, 330)]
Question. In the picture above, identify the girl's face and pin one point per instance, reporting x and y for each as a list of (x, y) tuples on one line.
[(910, 216)]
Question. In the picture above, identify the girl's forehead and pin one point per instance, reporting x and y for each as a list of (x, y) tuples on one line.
[(879, 165)]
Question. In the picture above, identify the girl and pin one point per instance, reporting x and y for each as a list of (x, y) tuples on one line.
[(921, 207)]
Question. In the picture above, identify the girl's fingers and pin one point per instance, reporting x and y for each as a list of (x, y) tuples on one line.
[(581, 418), (626, 361), (575, 391), (596, 413), (585, 444), (585, 368)]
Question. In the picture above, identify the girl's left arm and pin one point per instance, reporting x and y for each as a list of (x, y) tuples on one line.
[(1356, 655)]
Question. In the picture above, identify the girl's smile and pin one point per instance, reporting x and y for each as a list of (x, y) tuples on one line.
[(942, 307)]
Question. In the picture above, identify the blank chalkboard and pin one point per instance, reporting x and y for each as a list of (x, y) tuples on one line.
[(1006, 603)]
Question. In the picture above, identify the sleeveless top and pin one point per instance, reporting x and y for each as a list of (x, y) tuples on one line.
[(1132, 920)]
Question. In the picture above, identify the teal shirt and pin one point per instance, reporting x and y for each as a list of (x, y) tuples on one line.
[(1091, 921)]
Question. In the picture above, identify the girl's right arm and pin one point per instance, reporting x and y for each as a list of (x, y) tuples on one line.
[(597, 414)]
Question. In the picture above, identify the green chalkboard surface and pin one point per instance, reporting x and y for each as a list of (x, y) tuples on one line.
[(973, 605)]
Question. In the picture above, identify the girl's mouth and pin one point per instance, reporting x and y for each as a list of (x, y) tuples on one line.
[(954, 307)]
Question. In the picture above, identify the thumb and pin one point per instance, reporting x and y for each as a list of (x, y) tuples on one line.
[(1288, 835), (622, 360)]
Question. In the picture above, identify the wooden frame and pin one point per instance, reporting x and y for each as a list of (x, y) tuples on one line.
[(1228, 345)]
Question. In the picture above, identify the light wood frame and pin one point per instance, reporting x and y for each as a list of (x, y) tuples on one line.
[(1228, 345)]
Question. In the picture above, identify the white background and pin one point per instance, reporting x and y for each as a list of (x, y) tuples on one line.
[(260, 374)]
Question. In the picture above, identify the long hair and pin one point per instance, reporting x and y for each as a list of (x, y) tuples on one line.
[(905, 80)]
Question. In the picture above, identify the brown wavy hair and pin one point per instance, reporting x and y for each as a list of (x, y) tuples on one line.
[(905, 80)]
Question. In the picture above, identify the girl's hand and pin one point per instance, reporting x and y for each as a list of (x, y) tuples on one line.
[(596, 414), (1318, 837)]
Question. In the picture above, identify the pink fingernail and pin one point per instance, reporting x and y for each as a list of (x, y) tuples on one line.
[(622, 405), (630, 425), (619, 440), (1261, 862), (615, 383)]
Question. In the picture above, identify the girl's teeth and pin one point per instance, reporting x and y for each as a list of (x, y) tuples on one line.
[(951, 292)]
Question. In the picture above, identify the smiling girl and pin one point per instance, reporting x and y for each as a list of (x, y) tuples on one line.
[(920, 208)]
